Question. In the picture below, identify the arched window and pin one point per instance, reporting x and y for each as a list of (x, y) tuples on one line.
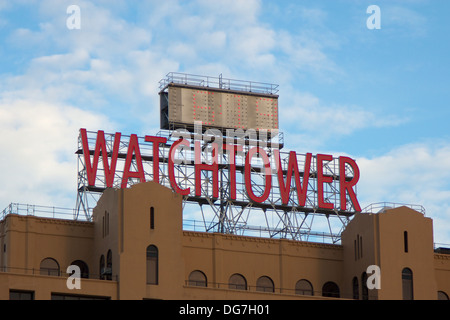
[(407, 284), (304, 287), (330, 289), (237, 282), (102, 267), (442, 295), (355, 286), (265, 284), (197, 279), (152, 265), (84, 270), (49, 267), (108, 270), (365, 290)]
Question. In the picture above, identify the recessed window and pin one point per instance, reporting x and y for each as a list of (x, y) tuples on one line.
[(358, 247), (197, 279), (265, 284), (442, 295), (405, 241), (365, 289), (102, 267), (108, 270), (62, 296), (49, 267), (407, 284), (304, 287), (105, 224), (330, 289), (152, 264), (152, 218), (84, 270), (237, 282), (355, 286), (21, 295)]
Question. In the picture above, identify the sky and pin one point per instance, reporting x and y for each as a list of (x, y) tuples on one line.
[(379, 95)]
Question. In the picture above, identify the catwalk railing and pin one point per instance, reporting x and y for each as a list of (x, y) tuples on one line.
[(311, 293), (39, 211), (55, 273), (218, 82), (188, 224), (383, 206)]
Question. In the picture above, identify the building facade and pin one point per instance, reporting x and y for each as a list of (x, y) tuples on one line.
[(136, 248)]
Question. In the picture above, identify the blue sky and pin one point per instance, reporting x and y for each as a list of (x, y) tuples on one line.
[(380, 96)]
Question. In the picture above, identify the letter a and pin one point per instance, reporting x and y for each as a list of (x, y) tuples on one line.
[(374, 21), (73, 281), (74, 20), (373, 281)]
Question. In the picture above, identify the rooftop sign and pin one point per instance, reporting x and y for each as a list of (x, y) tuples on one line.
[(207, 168)]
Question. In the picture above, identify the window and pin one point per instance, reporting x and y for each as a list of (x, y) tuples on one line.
[(265, 284), (442, 295), (237, 282), (355, 286), (102, 267), (105, 224), (197, 279), (358, 247), (365, 290), (407, 284), (21, 295), (361, 246), (49, 267), (84, 270), (330, 289), (108, 270), (62, 296), (405, 241), (152, 265), (152, 218), (304, 287)]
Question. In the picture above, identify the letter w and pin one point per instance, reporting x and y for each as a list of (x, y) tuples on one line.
[(285, 188), (100, 148)]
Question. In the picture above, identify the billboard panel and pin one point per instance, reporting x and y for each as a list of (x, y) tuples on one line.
[(222, 108)]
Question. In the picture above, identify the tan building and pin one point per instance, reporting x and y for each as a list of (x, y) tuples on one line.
[(136, 248)]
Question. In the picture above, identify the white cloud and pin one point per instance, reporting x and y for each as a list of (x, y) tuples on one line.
[(38, 142), (88, 78), (416, 174), (306, 113)]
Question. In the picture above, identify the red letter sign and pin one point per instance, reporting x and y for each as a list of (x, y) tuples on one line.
[(100, 146), (133, 147), (321, 179), (285, 188), (348, 185), (156, 141)]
